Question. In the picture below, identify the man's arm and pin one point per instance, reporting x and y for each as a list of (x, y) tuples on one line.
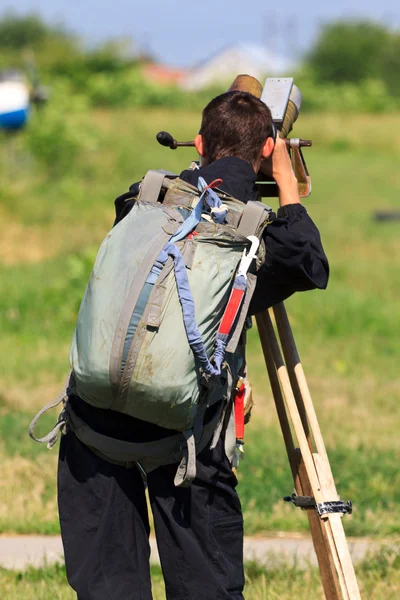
[(279, 167), (295, 259)]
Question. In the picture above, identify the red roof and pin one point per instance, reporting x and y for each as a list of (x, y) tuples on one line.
[(163, 74)]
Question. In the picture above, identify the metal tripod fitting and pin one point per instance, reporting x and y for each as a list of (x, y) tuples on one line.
[(322, 508)]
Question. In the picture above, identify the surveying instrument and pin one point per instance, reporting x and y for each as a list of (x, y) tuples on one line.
[(312, 476)]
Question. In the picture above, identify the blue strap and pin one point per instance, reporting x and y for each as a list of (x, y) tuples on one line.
[(213, 201), (191, 222), (184, 293), (188, 312)]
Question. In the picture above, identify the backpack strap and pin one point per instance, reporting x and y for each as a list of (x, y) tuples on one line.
[(187, 467), (237, 332), (254, 216), (181, 446), (152, 184), (51, 438)]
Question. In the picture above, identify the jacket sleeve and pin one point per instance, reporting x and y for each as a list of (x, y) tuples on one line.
[(123, 204), (295, 259)]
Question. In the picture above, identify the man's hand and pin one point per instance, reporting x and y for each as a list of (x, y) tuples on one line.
[(279, 167)]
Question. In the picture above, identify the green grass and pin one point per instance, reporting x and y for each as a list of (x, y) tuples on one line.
[(378, 576), (347, 336), (367, 476)]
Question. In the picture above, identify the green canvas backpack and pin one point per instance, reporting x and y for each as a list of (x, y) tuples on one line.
[(158, 331)]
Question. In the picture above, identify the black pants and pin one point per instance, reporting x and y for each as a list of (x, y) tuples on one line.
[(105, 528)]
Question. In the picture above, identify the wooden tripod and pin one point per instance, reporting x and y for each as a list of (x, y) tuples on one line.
[(312, 475)]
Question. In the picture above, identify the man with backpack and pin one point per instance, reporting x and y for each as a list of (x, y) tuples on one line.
[(102, 502)]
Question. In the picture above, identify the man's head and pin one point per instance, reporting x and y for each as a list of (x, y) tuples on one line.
[(236, 124)]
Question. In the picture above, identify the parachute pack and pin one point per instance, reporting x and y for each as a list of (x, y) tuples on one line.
[(159, 331)]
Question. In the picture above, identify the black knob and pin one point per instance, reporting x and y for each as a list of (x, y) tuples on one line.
[(165, 139)]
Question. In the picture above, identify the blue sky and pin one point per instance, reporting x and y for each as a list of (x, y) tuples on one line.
[(181, 33)]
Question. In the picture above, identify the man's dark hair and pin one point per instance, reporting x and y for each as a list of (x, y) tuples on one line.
[(235, 124)]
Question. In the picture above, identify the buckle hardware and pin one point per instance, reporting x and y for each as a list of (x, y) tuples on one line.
[(322, 508)]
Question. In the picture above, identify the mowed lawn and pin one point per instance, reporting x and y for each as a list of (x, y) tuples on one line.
[(348, 336), (378, 577)]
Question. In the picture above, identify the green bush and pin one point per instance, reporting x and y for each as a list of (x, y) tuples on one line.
[(368, 96), (355, 52), (130, 88), (55, 141), (349, 51)]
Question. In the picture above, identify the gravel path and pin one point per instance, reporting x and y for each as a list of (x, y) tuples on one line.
[(17, 552)]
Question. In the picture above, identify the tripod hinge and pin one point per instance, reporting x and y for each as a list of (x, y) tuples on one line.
[(322, 508)]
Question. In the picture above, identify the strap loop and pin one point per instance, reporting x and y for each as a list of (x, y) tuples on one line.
[(187, 468), (51, 438)]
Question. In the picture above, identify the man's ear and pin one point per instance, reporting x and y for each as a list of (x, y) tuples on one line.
[(268, 147), (199, 144)]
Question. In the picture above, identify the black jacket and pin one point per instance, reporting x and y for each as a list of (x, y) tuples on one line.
[(295, 261)]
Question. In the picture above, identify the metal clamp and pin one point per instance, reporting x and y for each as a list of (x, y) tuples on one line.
[(322, 508), (334, 506)]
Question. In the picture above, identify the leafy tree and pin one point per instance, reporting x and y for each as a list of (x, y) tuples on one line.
[(18, 32), (55, 53), (390, 71), (350, 51)]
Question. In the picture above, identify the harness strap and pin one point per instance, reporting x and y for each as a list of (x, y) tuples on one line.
[(253, 218), (152, 184), (223, 416), (118, 344), (51, 438), (181, 447), (124, 453), (187, 468), (240, 321)]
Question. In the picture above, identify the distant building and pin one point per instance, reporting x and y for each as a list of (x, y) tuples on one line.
[(163, 75), (251, 59)]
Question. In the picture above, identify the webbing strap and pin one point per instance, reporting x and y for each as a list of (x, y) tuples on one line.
[(188, 309), (152, 183), (232, 308), (51, 438), (187, 467), (117, 350), (139, 310), (237, 332), (253, 216), (222, 419), (213, 201), (150, 455), (157, 296)]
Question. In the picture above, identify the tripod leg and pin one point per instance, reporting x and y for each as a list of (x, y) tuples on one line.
[(280, 406), (327, 566), (321, 460), (313, 471), (297, 377), (267, 331)]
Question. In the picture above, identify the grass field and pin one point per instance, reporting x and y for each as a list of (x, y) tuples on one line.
[(378, 575), (348, 336)]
